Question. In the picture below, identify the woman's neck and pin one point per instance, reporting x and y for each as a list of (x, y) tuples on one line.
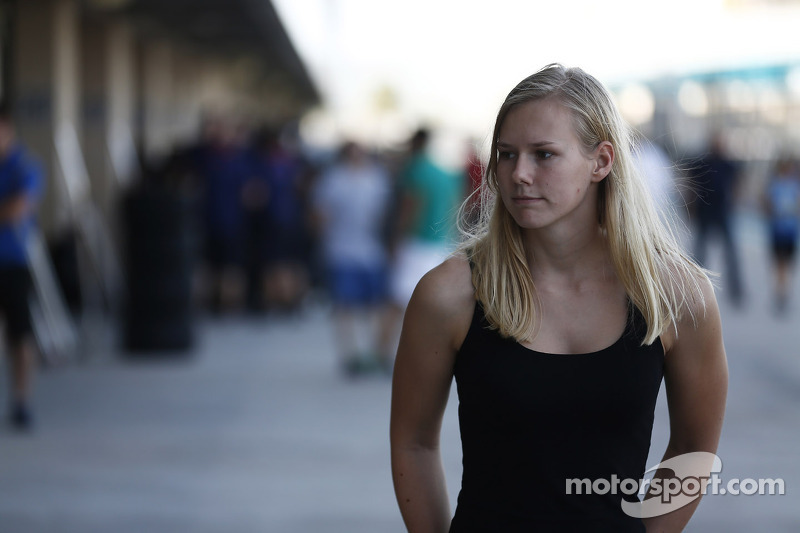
[(573, 257)]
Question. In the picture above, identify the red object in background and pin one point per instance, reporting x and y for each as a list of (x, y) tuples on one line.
[(474, 173)]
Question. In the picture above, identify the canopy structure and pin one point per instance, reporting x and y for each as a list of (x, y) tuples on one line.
[(247, 29)]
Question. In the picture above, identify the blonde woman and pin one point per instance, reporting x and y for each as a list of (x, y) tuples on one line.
[(560, 316)]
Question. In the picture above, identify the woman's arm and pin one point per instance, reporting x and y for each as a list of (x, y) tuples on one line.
[(435, 324), (696, 379)]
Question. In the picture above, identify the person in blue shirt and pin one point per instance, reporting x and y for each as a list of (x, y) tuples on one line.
[(223, 168), (287, 174), (20, 189)]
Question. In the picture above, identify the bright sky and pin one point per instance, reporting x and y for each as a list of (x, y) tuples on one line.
[(452, 62)]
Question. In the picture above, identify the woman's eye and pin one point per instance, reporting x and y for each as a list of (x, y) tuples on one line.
[(544, 154), (505, 155)]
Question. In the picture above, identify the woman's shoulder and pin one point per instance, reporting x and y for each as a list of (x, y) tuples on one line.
[(446, 297), (699, 311), (450, 282)]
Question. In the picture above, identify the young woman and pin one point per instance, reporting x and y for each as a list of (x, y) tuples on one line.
[(560, 316)]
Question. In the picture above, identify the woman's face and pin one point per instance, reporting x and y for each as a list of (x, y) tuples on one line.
[(544, 176)]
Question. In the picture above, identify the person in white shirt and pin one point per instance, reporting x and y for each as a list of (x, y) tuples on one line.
[(351, 201)]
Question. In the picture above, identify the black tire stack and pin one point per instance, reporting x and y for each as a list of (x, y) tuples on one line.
[(160, 257)]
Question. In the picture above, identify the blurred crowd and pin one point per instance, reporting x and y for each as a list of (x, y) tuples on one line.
[(277, 227)]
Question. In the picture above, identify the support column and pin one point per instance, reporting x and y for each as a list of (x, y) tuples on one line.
[(186, 104), (108, 108), (47, 86), (121, 103)]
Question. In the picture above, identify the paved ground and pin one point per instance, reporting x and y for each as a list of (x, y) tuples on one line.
[(257, 432)]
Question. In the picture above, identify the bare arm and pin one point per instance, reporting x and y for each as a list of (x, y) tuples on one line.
[(696, 379), (436, 322)]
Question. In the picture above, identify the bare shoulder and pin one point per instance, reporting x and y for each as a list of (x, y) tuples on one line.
[(450, 282), (445, 297), (700, 321)]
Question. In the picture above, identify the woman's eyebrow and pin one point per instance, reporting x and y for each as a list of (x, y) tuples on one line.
[(537, 144)]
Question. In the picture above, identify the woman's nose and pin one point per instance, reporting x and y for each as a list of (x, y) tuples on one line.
[(523, 171)]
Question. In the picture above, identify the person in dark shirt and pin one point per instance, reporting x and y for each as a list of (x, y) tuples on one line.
[(558, 319), (715, 179)]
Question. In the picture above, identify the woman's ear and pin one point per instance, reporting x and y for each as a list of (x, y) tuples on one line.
[(603, 160)]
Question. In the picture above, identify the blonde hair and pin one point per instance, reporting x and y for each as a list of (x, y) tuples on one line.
[(661, 281)]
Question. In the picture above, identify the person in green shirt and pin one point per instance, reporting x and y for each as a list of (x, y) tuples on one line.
[(425, 226), (431, 196), (429, 201)]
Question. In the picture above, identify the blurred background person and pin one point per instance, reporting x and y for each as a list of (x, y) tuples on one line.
[(656, 166), (255, 202), (223, 171), (714, 179), (424, 231), (287, 259), (20, 189), (351, 201), (782, 206)]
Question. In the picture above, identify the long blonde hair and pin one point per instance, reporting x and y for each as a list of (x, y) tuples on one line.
[(661, 281)]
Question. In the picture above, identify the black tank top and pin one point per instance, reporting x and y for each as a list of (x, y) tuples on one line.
[(530, 420)]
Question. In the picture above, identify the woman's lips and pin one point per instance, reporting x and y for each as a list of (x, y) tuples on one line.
[(527, 199)]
